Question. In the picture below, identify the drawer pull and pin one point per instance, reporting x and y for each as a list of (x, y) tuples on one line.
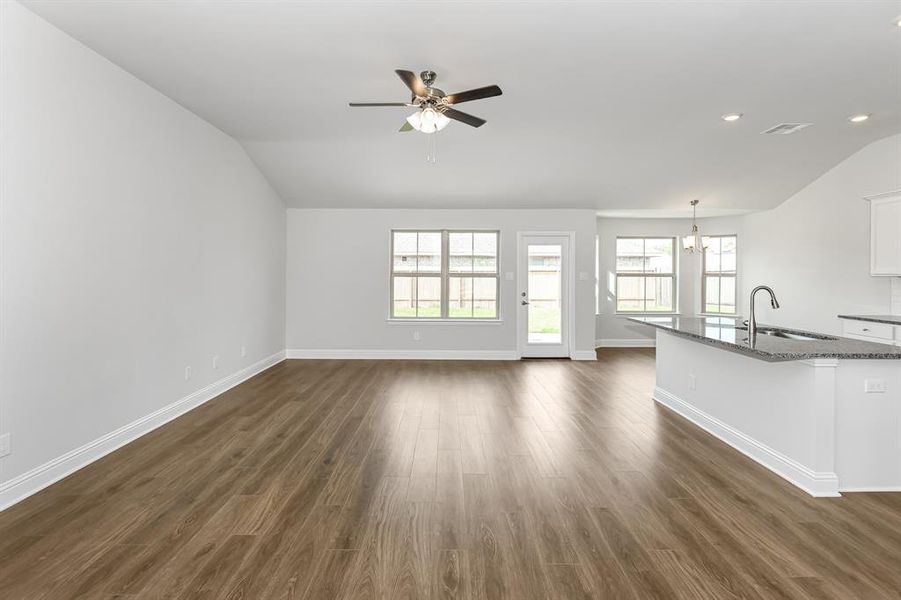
[(866, 328)]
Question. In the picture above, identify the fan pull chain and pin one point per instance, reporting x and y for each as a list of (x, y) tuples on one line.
[(431, 155)]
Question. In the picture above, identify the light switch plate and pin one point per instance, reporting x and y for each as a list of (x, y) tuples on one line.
[(583, 276), (508, 275), (4, 445)]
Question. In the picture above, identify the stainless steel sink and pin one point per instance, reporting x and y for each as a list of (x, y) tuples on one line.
[(788, 335)]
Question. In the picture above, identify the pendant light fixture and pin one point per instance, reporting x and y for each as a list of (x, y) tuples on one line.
[(693, 241)]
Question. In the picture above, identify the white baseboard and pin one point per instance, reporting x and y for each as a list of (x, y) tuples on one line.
[(814, 483), (19, 488), (405, 354), (869, 489), (584, 355), (625, 343)]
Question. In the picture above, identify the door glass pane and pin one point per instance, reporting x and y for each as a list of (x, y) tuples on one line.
[(545, 294), (404, 297), (459, 297)]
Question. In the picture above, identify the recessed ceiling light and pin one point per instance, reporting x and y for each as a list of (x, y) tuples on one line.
[(897, 22), (858, 118), (731, 117)]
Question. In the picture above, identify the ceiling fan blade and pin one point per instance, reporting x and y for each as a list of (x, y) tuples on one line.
[(379, 104), (476, 94), (406, 127), (456, 115), (413, 82)]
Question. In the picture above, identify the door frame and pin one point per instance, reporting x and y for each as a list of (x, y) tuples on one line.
[(569, 284)]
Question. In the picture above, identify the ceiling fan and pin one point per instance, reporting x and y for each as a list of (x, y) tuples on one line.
[(435, 107)]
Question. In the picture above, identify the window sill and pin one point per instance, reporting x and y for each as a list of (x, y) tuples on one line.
[(646, 314), (394, 321), (724, 315)]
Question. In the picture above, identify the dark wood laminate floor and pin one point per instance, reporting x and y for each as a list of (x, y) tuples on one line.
[(394, 479)]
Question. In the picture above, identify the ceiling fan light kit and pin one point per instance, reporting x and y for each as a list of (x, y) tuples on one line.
[(435, 107), (427, 120)]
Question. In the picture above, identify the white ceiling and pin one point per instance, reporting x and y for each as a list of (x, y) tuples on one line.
[(613, 106)]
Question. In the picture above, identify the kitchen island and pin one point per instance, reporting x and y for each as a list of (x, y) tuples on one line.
[(824, 412)]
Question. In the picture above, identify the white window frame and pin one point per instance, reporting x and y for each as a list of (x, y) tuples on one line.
[(674, 275), (445, 274), (721, 275)]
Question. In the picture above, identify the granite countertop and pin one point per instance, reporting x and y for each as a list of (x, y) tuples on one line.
[(890, 319), (722, 332)]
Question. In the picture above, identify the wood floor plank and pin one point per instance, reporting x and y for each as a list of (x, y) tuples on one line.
[(450, 572), (531, 479)]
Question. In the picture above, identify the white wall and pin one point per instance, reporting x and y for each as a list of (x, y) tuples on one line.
[(613, 329), (338, 293), (135, 239), (813, 249)]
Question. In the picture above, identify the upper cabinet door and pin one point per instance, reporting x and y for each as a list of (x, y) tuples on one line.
[(885, 235)]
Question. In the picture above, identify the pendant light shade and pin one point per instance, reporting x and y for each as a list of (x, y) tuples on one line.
[(693, 241)]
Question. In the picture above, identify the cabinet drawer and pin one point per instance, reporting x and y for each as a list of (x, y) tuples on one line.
[(883, 331)]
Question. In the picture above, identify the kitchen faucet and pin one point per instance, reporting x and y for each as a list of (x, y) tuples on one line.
[(752, 322)]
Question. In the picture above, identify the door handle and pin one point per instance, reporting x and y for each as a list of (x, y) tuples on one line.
[(524, 302)]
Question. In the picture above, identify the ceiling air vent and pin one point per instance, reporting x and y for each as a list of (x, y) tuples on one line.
[(786, 128)]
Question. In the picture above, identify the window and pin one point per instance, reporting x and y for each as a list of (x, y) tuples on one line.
[(718, 280), (645, 274), (444, 274)]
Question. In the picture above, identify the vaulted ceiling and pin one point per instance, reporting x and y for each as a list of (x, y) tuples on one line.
[(611, 106)]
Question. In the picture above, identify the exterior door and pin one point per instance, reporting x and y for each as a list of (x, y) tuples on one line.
[(543, 296)]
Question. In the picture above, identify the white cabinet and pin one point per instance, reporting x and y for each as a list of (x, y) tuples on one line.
[(885, 234), (868, 331)]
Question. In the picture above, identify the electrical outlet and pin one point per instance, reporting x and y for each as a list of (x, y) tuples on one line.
[(188, 373), (416, 336), (692, 382), (509, 276), (243, 350), (4, 445), (874, 386), (215, 363)]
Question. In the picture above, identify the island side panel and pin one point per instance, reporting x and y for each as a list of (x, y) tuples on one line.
[(768, 411), (868, 426)]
